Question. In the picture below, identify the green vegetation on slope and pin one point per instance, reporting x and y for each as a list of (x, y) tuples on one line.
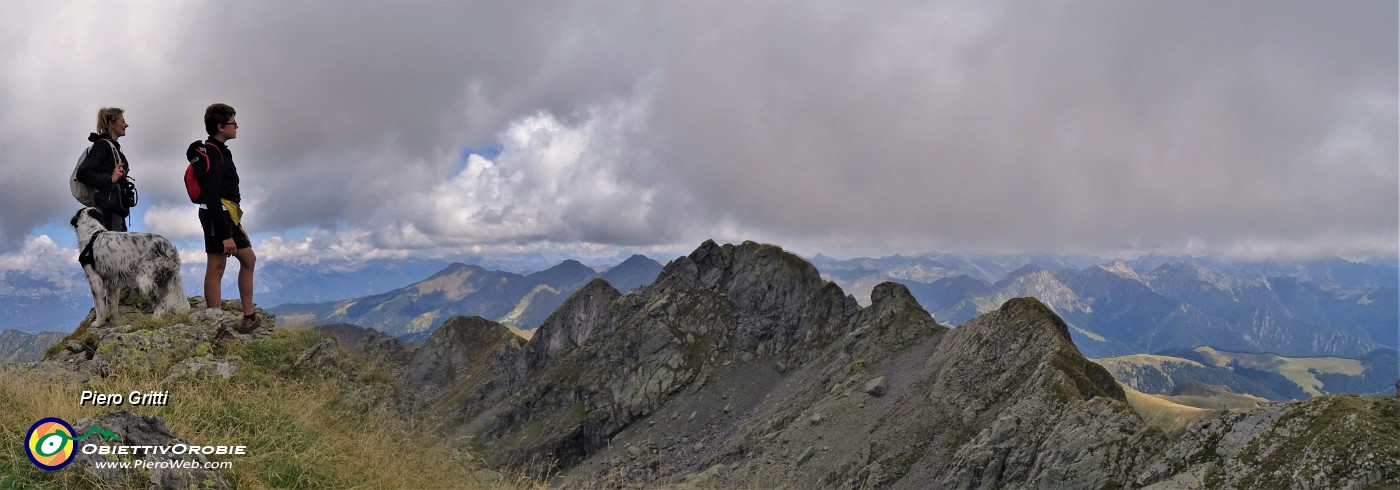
[(304, 427)]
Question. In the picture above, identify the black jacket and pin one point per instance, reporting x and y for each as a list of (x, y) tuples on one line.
[(219, 182), (96, 172)]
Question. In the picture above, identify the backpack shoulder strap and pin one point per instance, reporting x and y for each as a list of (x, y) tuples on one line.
[(116, 155), (210, 149)]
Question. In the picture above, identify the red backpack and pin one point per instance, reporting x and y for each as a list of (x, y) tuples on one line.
[(193, 172)]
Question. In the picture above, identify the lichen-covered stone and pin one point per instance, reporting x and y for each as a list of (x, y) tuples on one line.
[(131, 430)]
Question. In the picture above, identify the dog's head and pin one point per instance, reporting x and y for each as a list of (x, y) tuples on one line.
[(92, 213)]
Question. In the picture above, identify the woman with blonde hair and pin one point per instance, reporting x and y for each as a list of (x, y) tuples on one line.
[(105, 169)]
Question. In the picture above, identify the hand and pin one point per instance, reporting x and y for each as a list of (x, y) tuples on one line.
[(117, 173), (229, 247)]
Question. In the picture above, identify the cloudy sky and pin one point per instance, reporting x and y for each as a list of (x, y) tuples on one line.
[(369, 129)]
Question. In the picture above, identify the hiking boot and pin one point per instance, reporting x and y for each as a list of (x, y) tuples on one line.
[(250, 323)]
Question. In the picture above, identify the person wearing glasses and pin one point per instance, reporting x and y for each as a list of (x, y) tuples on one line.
[(105, 168), (220, 215)]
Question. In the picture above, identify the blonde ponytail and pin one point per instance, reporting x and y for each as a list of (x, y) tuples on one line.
[(106, 118)]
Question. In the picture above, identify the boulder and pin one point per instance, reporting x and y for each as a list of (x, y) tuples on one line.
[(204, 366), (161, 469)]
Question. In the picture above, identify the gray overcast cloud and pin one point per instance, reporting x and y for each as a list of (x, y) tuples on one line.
[(1243, 128)]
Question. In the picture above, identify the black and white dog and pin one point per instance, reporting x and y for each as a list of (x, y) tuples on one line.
[(112, 260)]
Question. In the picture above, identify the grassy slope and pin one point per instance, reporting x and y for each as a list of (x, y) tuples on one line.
[(1160, 412), (1224, 401), (1296, 369), (301, 427)]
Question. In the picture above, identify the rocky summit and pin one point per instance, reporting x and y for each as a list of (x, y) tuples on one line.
[(739, 366)]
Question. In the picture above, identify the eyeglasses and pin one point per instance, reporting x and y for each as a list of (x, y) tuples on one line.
[(231, 123)]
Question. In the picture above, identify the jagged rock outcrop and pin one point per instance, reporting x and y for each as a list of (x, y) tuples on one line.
[(163, 470), (465, 358), (572, 324), (325, 356), (369, 341), (779, 300)]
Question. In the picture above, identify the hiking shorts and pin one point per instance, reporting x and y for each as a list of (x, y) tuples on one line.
[(214, 245)]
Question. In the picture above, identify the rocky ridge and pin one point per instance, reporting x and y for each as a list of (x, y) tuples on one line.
[(740, 366)]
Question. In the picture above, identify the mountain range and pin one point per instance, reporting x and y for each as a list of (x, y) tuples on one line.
[(739, 366), (1266, 376), (1328, 307), (522, 301), (33, 302), (18, 347)]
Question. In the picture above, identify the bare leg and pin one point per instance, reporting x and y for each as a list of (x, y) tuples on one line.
[(247, 260), (213, 273)]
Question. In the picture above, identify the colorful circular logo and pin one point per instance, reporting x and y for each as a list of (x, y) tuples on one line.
[(50, 444)]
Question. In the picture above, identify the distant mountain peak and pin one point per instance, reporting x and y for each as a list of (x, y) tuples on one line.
[(1020, 274), (636, 261), (455, 268), (1024, 270), (1179, 267), (569, 264), (567, 271), (1121, 269), (638, 270)]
